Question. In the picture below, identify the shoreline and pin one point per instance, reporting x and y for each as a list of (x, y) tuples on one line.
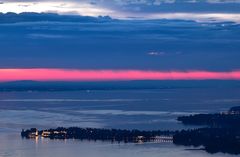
[(221, 134)]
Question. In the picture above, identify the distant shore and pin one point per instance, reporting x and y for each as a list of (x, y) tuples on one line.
[(222, 133), (114, 135)]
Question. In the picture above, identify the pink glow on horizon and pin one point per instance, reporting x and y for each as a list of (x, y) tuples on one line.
[(111, 75)]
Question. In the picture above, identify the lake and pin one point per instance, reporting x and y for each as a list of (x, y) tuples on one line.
[(125, 109)]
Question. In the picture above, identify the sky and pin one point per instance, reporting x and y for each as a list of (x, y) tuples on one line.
[(111, 75), (137, 40), (147, 9)]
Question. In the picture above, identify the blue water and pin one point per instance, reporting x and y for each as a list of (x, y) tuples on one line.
[(130, 109)]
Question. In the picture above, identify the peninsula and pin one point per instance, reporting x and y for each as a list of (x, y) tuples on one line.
[(221, 133)]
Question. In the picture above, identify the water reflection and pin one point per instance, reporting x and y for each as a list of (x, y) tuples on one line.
[(13, 146), (151, 109)]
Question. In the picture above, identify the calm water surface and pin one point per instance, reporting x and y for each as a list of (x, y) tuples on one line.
[(130, 109)]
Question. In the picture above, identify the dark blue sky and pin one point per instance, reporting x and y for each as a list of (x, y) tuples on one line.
[(117, 44), (193, 37)]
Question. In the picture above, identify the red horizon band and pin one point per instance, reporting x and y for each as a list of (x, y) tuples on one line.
[(45, 74)]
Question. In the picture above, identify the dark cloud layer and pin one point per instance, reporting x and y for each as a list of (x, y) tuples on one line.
[(158, 6), (102, 43)]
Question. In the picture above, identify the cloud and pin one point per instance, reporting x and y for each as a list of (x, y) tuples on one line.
[(88, 43), (155, 53), (111, 75), (47, 18), (54, 6), (129, 8), (223, 1), (47, 36), (161, 53), (198, 17), (159, 2)]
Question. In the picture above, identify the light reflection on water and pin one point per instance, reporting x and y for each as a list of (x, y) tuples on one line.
[(13, 146), (146, 109)]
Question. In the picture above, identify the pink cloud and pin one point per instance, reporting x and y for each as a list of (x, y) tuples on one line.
[(111, 75)]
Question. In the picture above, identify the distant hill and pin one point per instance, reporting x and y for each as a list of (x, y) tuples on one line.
[(235, 110), (113, 85)]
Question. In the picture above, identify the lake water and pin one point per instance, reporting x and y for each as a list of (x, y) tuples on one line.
[(124, 109)]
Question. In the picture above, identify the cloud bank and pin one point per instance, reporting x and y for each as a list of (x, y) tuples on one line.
[(32, 40), (220, 10)]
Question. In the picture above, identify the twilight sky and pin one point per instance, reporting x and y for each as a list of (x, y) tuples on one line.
[(157, 39), (148, 9)]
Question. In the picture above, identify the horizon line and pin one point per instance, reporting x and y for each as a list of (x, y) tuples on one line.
[(82, 75)]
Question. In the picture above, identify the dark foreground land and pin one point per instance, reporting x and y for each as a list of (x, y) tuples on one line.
[(226, 119), (220, 134), (114, 135)]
